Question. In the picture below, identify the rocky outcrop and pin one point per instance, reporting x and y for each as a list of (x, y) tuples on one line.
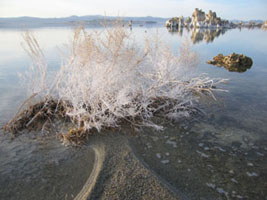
[(198, 16), (199, 20), (181, 21), (175, 22), (172, 23), (188, 21), (264, 25), (233, 62), (211, 17)]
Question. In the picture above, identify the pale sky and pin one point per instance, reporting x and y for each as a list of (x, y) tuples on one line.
[(227, 9)]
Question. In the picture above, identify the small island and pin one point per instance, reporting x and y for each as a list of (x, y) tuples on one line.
[(199, 20), (233, 62), (210, 20)]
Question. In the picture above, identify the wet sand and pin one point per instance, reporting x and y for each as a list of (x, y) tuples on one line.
[(122, 175)]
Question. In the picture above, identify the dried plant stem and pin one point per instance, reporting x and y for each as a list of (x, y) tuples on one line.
[(108, 78)]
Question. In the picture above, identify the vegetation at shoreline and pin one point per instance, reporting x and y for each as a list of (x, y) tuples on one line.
[(105, 79)]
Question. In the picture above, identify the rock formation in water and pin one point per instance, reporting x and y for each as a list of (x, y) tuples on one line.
[(172, 23), (175, 22), (264, 25), (233, 62), (198, 15), (188, 21), (199, 19)]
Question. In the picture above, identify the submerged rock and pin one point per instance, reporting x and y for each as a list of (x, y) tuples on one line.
[(233, 62)]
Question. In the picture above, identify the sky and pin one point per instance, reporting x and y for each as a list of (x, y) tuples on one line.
[(227, 9)]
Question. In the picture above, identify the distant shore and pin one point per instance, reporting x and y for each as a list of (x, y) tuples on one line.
[(33, 22), (99, 20)]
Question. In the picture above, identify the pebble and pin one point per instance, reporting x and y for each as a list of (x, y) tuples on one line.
[(172, 138), (158, 155), (167, 153), (259, 154), (203, 154), (149, 146), (231, 171), (221, 191), (174, 144), (211, 185), (251, 144), (220, 148), (206, 148), (252, 174), (201, 144), (234, 180), (179, 161), (165, 161), (250, 164)]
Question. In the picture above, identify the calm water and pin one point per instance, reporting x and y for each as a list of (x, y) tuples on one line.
[(222, 155)]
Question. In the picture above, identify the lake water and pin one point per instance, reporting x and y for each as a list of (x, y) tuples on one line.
[(221, 155)]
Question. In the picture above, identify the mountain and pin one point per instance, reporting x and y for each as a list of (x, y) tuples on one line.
[(31, 22)]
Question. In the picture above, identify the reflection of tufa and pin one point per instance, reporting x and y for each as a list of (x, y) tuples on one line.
[(199, 34), (208, 35)]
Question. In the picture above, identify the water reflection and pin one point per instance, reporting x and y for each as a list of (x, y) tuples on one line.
[(232, 133), (239, 69), (178, 30), (199, 35)]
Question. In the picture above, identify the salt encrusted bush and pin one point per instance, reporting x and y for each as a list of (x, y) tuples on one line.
[(107, 78)]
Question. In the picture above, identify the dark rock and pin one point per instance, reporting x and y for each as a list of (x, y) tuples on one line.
[(233, 62)]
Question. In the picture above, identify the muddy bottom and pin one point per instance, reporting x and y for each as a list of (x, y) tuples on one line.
[(206, 160), (42, 168)]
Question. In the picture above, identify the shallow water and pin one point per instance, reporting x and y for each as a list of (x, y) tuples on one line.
[(217, 156), (39, 168), (221, 155)]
